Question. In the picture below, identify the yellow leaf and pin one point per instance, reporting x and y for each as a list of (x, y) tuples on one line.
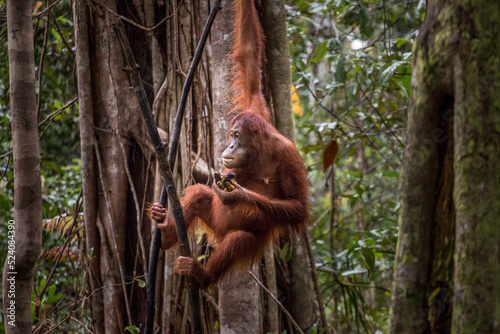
[(36, 6), (297, 110)]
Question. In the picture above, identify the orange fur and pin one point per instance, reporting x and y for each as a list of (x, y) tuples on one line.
[(247, 58), (272, 192)]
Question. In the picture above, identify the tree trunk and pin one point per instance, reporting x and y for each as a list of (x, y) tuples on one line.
[(303, 305), (477, 177), (239, 301), (80, 13), (116, 167), (25, 231), (450, 185), (278, 66)]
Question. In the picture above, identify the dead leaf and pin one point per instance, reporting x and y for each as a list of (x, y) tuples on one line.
[(330, 154)]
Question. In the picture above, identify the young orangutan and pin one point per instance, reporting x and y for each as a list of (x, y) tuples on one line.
[(271, 192)]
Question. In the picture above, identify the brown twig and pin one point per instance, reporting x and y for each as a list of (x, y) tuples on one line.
[(47, 9), (53, 115), (82, 324), (135, 24), (58, 111), (59, 31), (40, 66), (6, 167), (277, 302), (176, 39), (314, 273)]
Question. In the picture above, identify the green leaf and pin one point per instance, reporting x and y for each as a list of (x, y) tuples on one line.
[(4, 203), (355, 173), (369, 258), (366, 22), (141, 283), (319, 53), (355, 271), (133, 329), (51, 165), (286, 252), (407, 83), (391, 174), (389, 72), (340, 72), (352, 202)]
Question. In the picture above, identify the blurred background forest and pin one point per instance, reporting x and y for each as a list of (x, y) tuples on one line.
[(351, 73)]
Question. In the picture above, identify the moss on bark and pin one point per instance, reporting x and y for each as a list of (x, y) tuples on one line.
[(453, 144)]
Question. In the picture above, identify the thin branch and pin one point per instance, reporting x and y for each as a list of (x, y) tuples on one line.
[(176, 40), (340, 119), (58, 111), (211, 301), (314, 273), (59, 31), (135, 24), (47, 9), (81, 323), (53, 115), (277, 302), (6, 167), (6, 154), (40, 66), (159, 97), (379, 114)]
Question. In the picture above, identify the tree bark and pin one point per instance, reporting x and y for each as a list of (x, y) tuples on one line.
[(25, 231), (424, 168), (177, 41), (243, 292), (303, 305), (272, 316), (477, 177), (92, 238), (278, 66), (116, 168), (450, 189)]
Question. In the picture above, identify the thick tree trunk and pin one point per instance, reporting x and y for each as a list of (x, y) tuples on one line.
[(477, 176), (450, 187), (239, 301), (25, 231), (425, 179), (278, 66), (115, 165), (303, 305)]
